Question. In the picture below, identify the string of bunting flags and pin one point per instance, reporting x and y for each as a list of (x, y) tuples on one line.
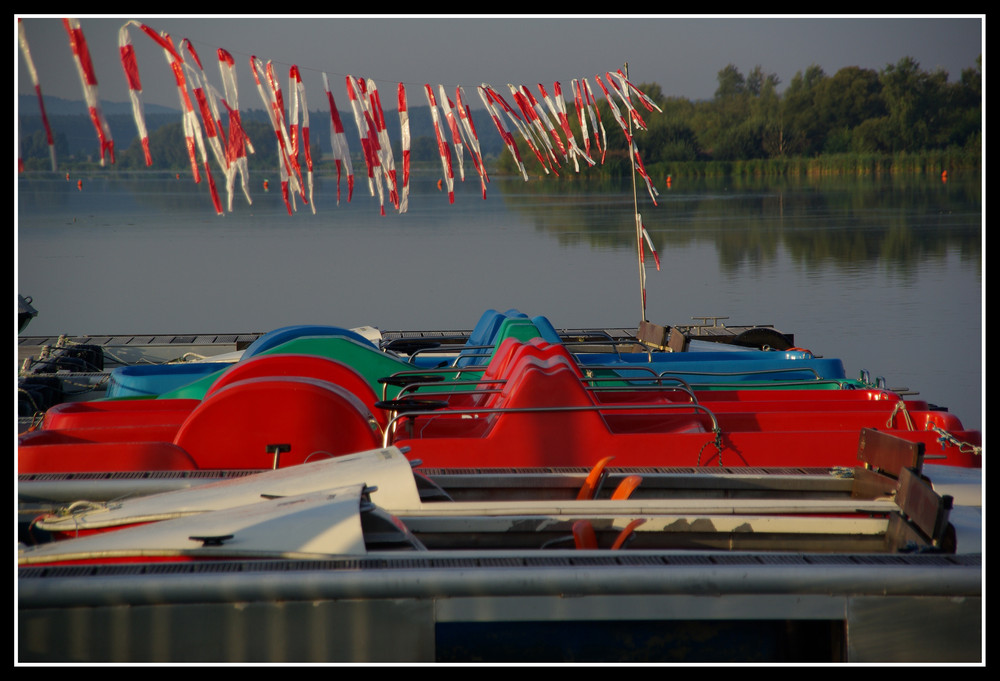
[(541, 123)]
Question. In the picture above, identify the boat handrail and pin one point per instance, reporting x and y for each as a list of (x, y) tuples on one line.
[(752, 372), (453, 349), (659, 380), (615, 344), (845, 383), (642, 388), (413, 387), (412, 415), (430, 371)]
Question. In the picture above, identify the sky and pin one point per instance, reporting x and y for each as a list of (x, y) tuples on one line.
[(683, 54)]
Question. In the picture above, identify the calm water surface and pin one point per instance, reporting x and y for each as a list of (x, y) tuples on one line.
[(884, 274)]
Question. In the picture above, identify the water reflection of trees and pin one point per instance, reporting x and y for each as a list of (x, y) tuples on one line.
[(901, 221)]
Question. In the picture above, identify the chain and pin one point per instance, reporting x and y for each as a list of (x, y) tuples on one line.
[(947, 438)]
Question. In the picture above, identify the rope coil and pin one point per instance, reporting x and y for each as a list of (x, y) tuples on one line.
[(900, 408)]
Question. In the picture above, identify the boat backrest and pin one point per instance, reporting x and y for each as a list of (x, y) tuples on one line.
[(546, 380), (546, 330), (241, 424), (486, 328), (308, 366), (275, 338), (487, 332), (155, 380), (521, 328)]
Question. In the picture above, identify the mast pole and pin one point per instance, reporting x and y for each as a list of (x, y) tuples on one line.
[(638, 220)]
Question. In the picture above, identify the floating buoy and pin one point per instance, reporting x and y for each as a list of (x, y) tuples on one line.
[(67, 177), (669, 180), (79, 185), (944, 175), (266, 185), (177, 176), (439, 184)]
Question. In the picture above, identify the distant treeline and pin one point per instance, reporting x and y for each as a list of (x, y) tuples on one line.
[(856, 121), (901, 118)]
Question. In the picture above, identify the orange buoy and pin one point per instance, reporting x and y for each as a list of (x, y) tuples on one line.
[(79, 185), (944, 175), (266, 185), (439, 184)]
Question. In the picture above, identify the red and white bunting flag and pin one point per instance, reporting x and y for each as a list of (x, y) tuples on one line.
[(643, 97), (269, 98), (298, 92), (341, 152), (210, 107), (404, 127), (536, 130), (26, 53), (206, 97), (649, 241), (486, 94), (363, 131), (88, 79), (614, 110), (131, 67), (386, 160), (443, 150), (192, 127), (595, 120), (175, 63), (237, 143), (653, 193), (580, 117), (637, 160), (548, 116), (642, 259), (521, 126), (456, 137), (472, 139), (545, 124), (560, 113), (622, 91), (209, 110), (295, 183), (376, 171)]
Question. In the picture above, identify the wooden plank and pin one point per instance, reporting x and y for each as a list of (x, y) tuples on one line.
[(922, 505), (654, 335), (902, 537), (887, 453), (870, 484)]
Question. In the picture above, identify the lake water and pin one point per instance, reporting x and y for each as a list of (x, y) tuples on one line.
[(885, 274)]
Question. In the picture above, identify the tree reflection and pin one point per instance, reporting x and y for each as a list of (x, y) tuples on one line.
[(902, 221)]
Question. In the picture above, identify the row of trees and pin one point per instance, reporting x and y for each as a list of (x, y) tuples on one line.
[(901, 109)]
